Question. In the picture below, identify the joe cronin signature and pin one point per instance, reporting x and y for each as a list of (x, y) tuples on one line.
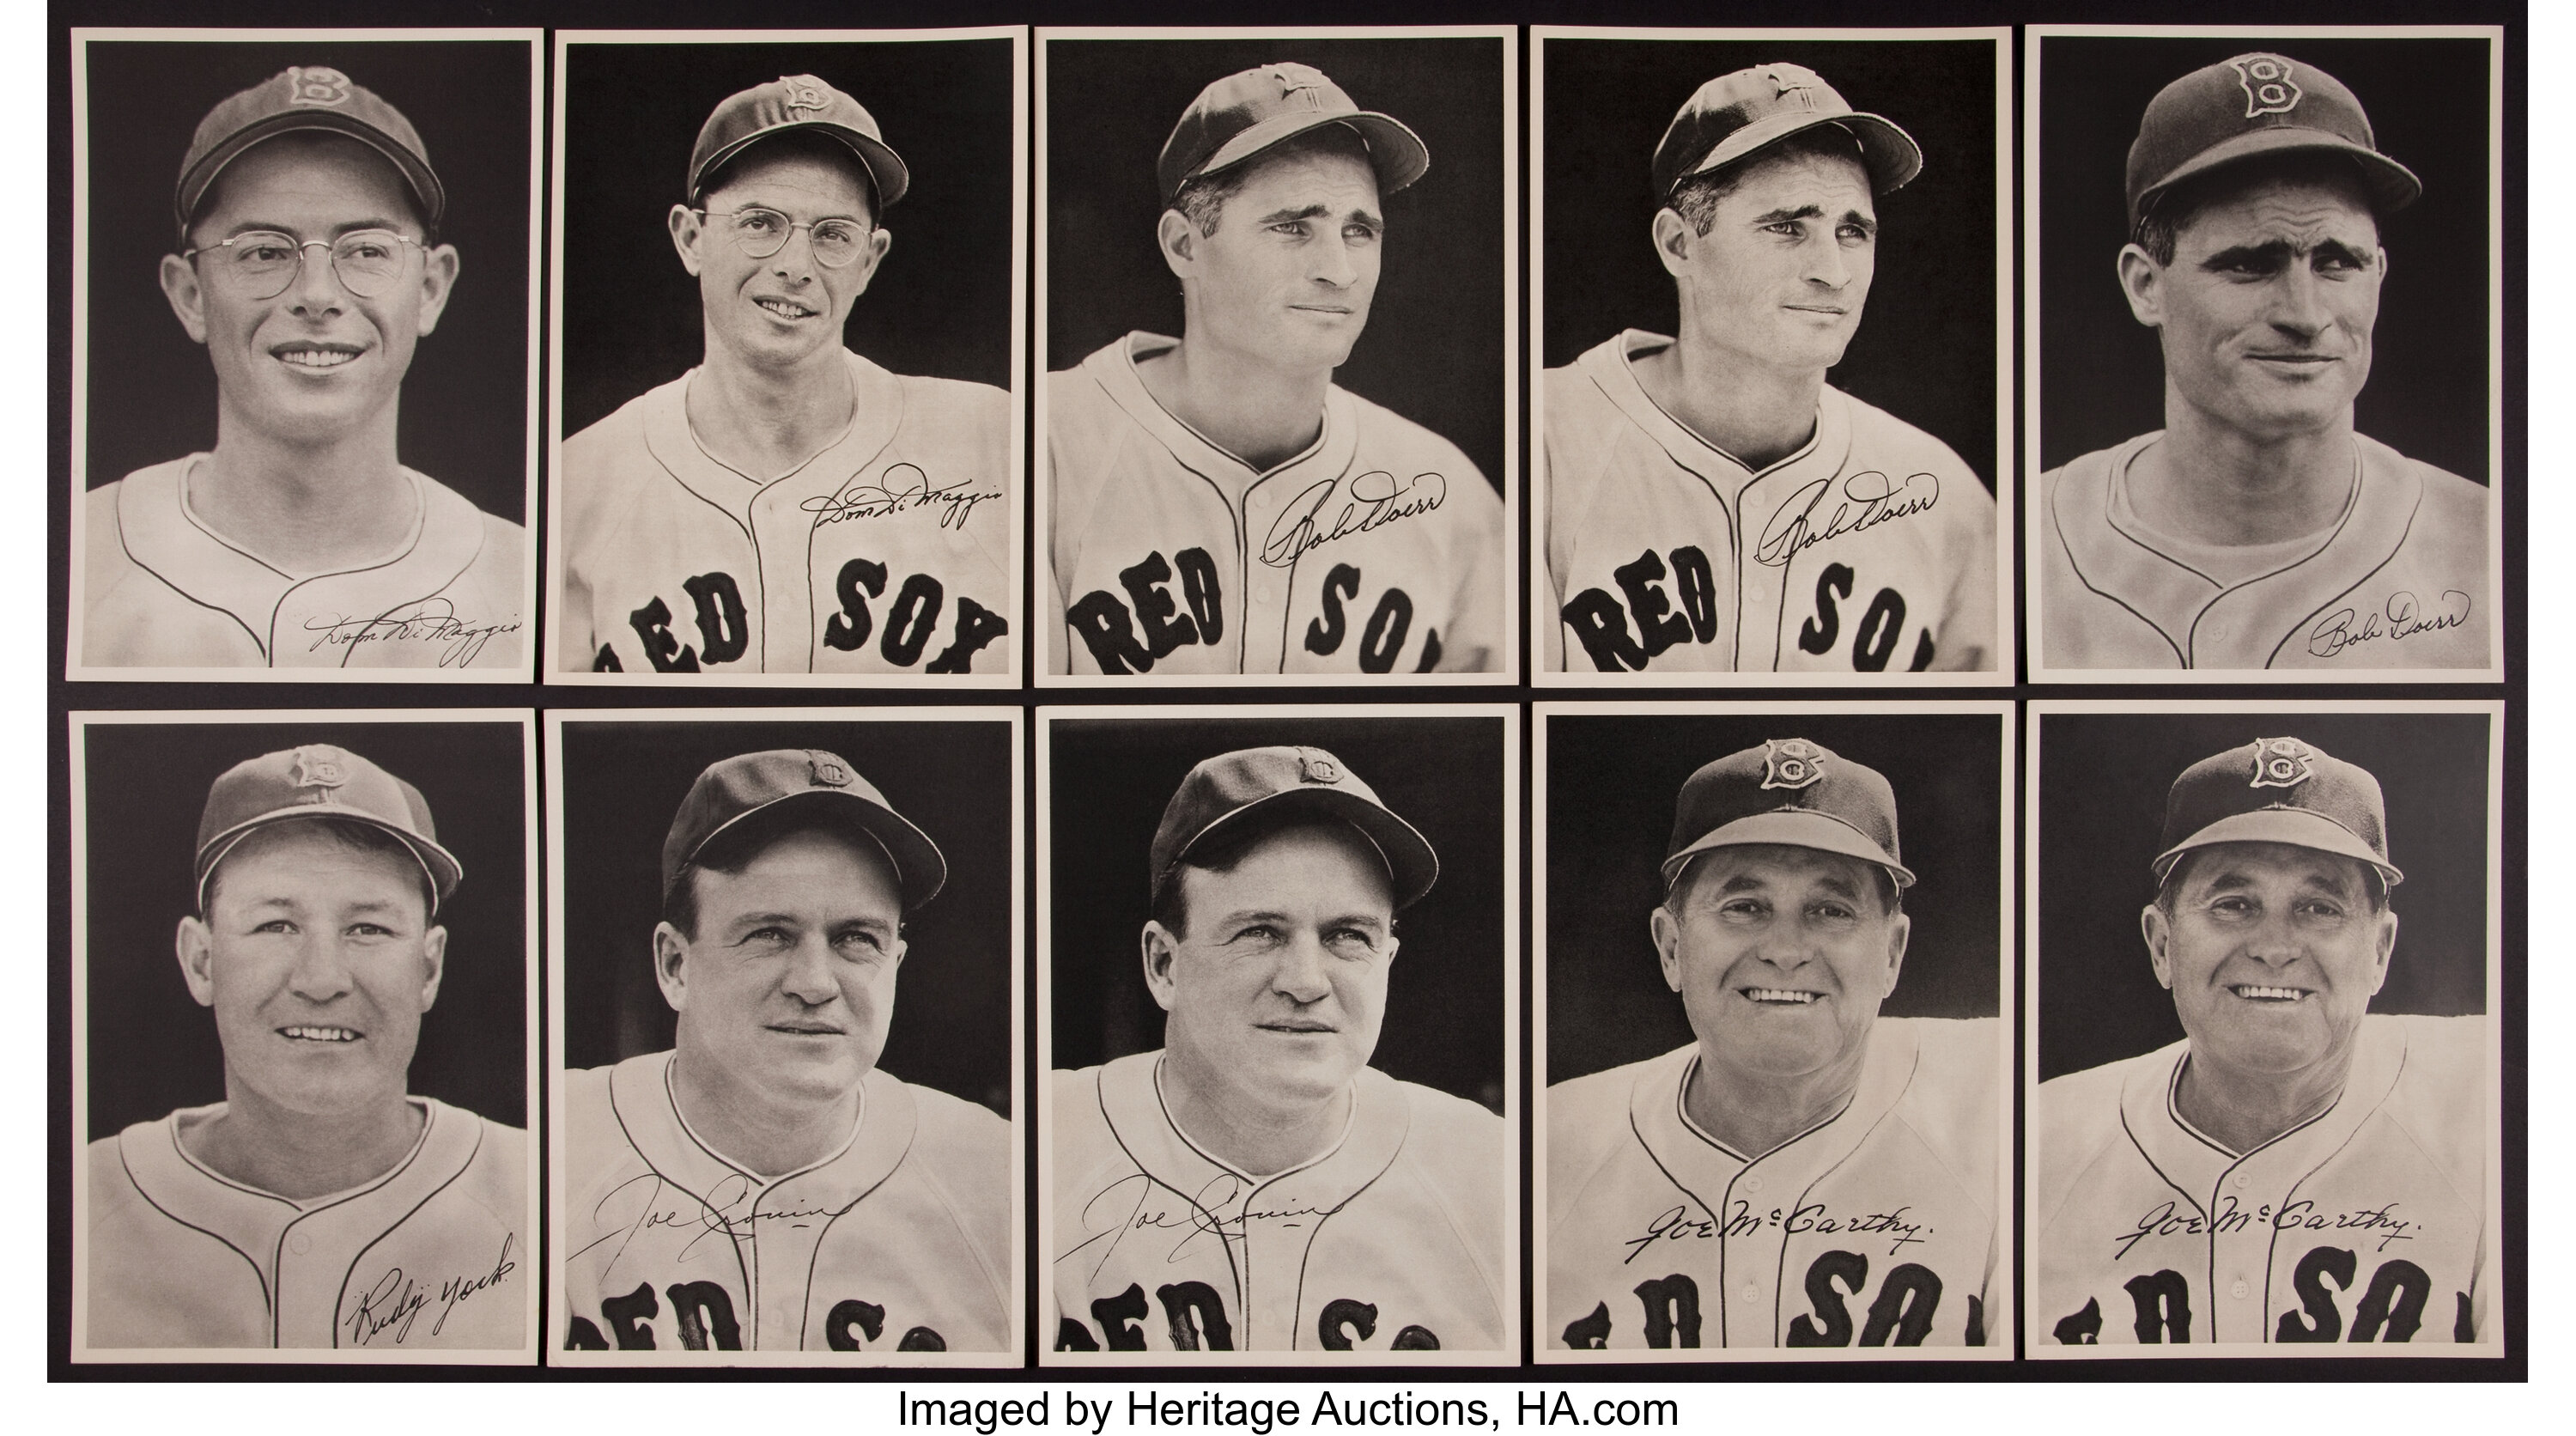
[(1679, 1225), (900, 489), (729, 1210), (1868, 499), (1129, 1205), (1373, 500), (431, 620), (2168, 1220), (2403, 616), (396, 1300)]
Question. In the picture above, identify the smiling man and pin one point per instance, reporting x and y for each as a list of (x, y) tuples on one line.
[(1218, 504), (308, 265), (764, 1185), (319, 1205), (2258, 529), (1806, 1172), (1255, 1185), (2295, 1170), (788, 506), (1713, 505)]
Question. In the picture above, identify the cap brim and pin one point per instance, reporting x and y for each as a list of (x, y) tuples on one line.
[(445, 872), (424, 185), (1792, 828), (1395, 152), (1411, 864), (2295, 827), (1889, 153), (919, 869), (885, 168), (2392, 186)]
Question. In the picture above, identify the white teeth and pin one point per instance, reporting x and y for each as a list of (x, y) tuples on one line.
[(784, 309), (1779, 994), (320, 1034), (316, 358), (2267, 994)]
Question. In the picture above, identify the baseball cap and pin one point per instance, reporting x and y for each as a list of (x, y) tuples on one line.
[(305, 97), (1790, 792), (1734, 115), (2278, 790), (319, 780), (734, 789), (2257, 104), (1243, 114), (1226, 787), (796, 102)]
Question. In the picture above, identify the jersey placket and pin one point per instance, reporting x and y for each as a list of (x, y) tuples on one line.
[(796, 1213), (783, 525), (329, 1293), (1270, 588)]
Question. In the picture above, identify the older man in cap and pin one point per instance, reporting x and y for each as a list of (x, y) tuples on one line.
[(1713, 505), (1219, 505), (2295, 1170), (788, 506), (764, 1185), (2258, 529), (1267, 1187), (320, 1204), (309, 266), (1806, 1172)]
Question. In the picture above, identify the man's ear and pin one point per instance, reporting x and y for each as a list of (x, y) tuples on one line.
[(2142, 280), (670, 965), (1179, 241), (688, 231), (196, 950), (437, 281), (2158, 931), (2387, 949), (1900, 931), (433, 962), (187, 295), (1673, 239), (1667, 934), (1160, 947)]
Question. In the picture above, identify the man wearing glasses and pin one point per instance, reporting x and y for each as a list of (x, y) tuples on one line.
[(309, 267), (788, 506)]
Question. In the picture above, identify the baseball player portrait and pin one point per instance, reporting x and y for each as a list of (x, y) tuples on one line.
[(2309, 1164), (2273, 522), (1257, 1182), (763, 1183), (310, 250), (779, 502), (1712, 503), (1807, 1170), (323, 1203), (1217, 502)]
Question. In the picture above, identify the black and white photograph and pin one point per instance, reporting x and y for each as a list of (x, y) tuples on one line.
[(761, 1156), (788, 302), (1775, 1112), (1770, 280), (303, 420), (2265, 345), (1279, 316), (2265, 962), (1277, 997), (305, 1135)]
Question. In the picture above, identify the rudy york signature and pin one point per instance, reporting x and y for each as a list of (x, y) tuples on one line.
[(395, 1303)]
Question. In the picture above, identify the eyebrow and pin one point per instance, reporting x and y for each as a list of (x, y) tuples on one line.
[(252, 226), (1815, 211), (2277, 251), (1315, 211)]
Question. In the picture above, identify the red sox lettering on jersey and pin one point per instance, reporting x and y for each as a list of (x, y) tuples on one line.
[(899, 1242), (1378, 550), (888, 552), (1876, 1228), (1394, 1240), (2365, 1224), (432, 1255), (1870, 550), (2399, 581)]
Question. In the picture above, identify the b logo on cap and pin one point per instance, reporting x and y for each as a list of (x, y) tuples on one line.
[(314, 768), (1791, 763), (2269, 90), (2282, 763), (830, 774), (1316, 768), (321, 86), (804, 94), (1296, 79)]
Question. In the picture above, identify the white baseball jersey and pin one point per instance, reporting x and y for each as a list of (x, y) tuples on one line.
[(1875, 1228), (888, 552), (2400, 581), (1394, 1240), (165, 591), (2366, 1223), (432, 1255), (1377, 550), (1869, 550), (898, 1242)]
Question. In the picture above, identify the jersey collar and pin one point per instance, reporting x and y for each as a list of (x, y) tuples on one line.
[(2198, 1169), (876, 412), (1710, 1171), (640, 1094), (1113, 367), (1609, 365)]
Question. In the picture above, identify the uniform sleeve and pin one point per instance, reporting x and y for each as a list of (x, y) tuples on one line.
[(1478, 642), (1967, 641)]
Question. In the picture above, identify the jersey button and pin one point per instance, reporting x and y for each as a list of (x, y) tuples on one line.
[(2238, 1181), (298, 1243), (1753, 1184), (1752, 1292), (2239, 1290)]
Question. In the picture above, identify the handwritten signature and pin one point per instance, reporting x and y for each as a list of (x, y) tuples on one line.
[(1868, 499), (2167, 1219), (1375, 499), (2404, 616), (1113, 1212), (1678, 1224), (396, 1300), (725, 1212), (431, 620), (899, 490)]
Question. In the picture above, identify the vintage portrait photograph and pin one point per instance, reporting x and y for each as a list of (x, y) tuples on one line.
[(2264, 340), (303, 419), (1769, 289), (1277, 999), (761, 1156), (2265, 972), (1278, 319), (787, 304), (306, 1135), (1775, 1112)]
